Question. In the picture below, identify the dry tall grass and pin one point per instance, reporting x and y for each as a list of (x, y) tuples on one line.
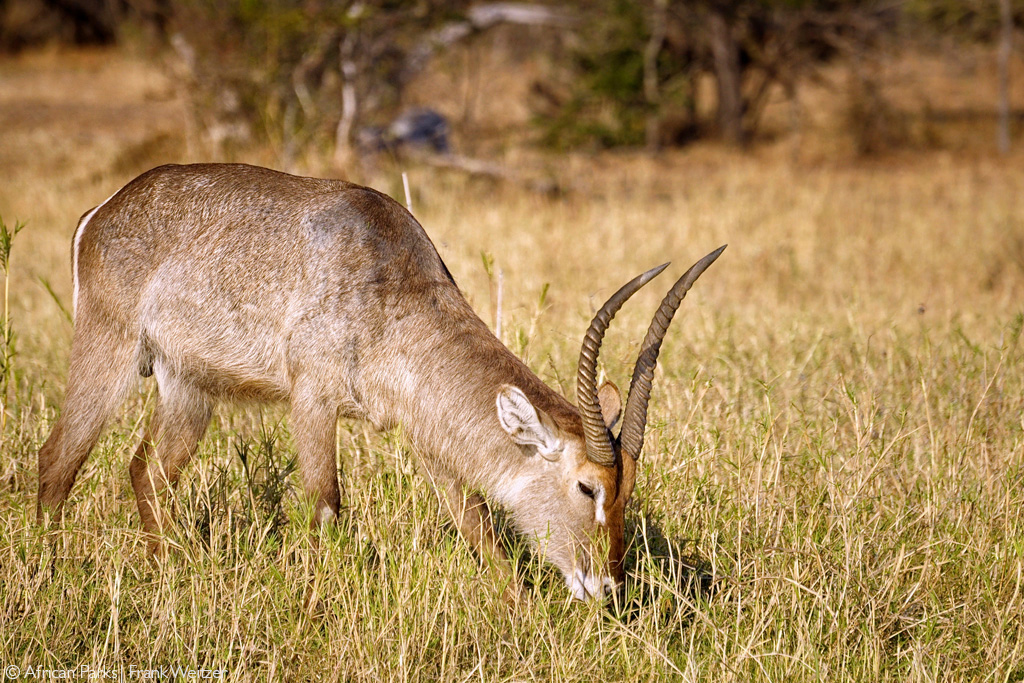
[(832, 487)]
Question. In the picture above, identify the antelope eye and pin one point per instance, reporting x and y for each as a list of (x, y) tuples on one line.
[(586, 490)]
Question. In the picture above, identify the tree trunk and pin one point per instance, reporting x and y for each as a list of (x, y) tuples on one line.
[(349, 100), (657, 21), (725, 52), (1005, 50)]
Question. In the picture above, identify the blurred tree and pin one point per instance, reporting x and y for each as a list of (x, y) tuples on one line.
[(640, 69), (27, 23), (967, 20), (986, 21), (310, 72), (1005, 49), (291, 70)]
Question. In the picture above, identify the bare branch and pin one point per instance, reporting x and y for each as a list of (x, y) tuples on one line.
[(478, 19)]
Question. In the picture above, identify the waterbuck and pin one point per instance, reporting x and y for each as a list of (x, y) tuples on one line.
[(232, 282)]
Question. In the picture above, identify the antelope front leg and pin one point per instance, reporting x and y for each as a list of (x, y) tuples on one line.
[(313, 426), (472, 516)]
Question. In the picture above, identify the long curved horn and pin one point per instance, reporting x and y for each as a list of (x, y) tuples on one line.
[(599, 443), (634, 415)]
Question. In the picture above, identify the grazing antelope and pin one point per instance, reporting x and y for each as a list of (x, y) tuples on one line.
[(232, 282)]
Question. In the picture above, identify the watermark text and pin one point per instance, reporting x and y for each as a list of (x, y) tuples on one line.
[(132, 672)]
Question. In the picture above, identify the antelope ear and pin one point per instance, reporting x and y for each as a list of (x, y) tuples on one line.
[(611, 403), (526, 425)]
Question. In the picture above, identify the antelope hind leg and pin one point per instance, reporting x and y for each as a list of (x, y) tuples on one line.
[(178, 423), (102, 369)]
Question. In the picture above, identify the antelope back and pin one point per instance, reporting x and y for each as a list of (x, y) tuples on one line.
[(242, 277)]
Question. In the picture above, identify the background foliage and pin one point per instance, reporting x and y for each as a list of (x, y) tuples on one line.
[(629, 73)]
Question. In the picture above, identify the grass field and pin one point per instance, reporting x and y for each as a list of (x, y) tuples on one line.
[(833, 482)]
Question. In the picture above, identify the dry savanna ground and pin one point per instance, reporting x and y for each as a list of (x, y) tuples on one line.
[(833, 482)]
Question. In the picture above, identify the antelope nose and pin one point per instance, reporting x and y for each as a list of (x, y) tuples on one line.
[(591, 586)]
